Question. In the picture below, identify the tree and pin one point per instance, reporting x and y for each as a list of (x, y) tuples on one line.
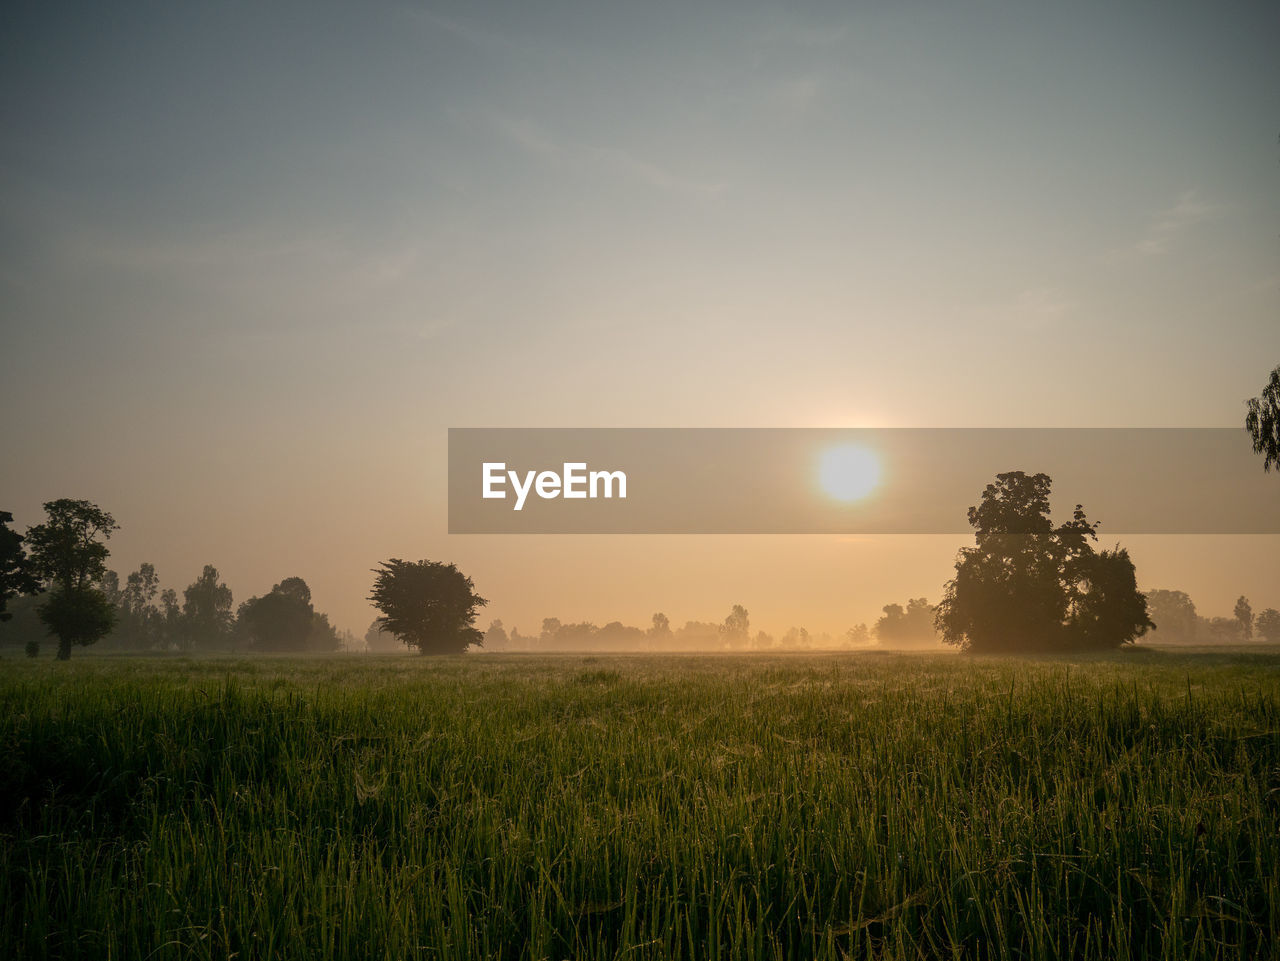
[(285, 620), (206, 611), (1027, 585), (141, 623), (736, 629), (860, 634), (1243, 613), (378, 640), (1174, 615), (275, 622), (77, 615), (1268, 624), (912, 625), (1263, 422), (68, 555), (16, 576), (495, 638), (429, 605)]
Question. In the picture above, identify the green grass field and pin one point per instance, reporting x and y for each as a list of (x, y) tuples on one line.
[(823, 806)]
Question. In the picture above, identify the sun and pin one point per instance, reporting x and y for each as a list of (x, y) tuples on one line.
[(849, 472)]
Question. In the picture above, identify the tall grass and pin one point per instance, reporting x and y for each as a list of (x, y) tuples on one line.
[(641, 807)]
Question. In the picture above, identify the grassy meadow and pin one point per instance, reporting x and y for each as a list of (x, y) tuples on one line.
[(641, 807)]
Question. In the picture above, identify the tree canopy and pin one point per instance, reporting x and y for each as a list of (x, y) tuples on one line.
[(1263, 422), (428, 604), (16, 576), (1027, 585), (68, 554)]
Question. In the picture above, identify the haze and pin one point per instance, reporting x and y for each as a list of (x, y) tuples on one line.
[(256, 259)]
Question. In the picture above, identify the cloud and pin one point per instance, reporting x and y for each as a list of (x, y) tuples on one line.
[(1173, 222)]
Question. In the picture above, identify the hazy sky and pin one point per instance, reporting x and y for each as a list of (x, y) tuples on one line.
[(255, 259)]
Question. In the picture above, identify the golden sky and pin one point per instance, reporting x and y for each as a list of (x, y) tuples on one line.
[(255, 261)]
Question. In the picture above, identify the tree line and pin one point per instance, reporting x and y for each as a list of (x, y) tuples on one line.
[(1026, 584), (54, 582)]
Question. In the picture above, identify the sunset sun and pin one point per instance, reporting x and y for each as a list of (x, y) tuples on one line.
[(848, 472)]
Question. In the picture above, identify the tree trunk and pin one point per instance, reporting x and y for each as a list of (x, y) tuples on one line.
[(64, 648)]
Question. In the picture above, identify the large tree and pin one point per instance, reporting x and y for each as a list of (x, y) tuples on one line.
[(141, 623), (1028, 585), (69, 556), (1174, 615), (429, 605), (206, 611), (16, 576), (1263, 422), (1243, 613), (284, 620)]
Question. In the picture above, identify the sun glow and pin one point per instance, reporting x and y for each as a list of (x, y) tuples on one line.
[(849, 472)]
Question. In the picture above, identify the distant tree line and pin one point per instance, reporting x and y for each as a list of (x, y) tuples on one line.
[(899, 627), (55, 585), (1177, 622)]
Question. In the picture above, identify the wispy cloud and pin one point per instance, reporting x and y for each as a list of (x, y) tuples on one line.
[(537, 141), (1168, 225)]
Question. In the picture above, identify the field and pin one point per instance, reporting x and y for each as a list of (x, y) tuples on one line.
[(823, 806)]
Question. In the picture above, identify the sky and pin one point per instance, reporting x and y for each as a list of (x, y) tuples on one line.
[(256, 259)]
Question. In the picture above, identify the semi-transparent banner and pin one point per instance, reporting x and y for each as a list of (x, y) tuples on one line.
[(851, 481)]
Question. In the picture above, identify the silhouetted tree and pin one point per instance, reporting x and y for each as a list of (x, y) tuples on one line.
[(274, 622), (661, 629), (1028, 585), (171, 611), (379, 640), (1263, 422), (736, 629), (429, 605), (860, 634), (206, 611), (16, 577), (1268, 624), (1243, 614), (140, 624), (68, 555), (550, 628), (1173, 614), (910, 625), (495, 638), (285, 620)]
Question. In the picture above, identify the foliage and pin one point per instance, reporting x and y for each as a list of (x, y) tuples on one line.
[(736, 629), (642, 808), (285, 620), (1027, 585), (206, 612), (68, 554), (1243, 613), (1263, 422), (912, 625), (428, 604), (68, 549), (278, 621), (16, 577), (379, 640), (1174, 615), (1268, 624), (77, 616), (140, 621)]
